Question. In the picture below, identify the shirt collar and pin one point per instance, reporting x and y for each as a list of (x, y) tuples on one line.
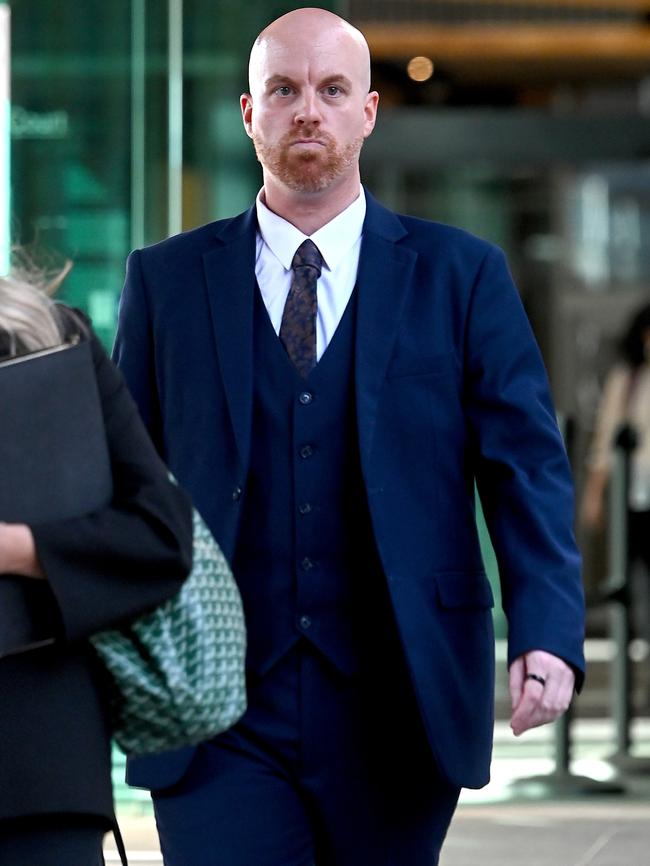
[(334, 240)]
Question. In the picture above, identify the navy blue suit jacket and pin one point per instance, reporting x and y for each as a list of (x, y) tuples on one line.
[(450, 390)]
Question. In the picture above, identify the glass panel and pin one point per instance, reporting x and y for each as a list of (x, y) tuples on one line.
[(71, 141)]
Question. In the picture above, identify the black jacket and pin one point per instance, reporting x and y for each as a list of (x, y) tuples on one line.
[(104, 568)]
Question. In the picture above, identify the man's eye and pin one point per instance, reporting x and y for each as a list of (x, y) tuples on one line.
[(283, 90), (332, 90)]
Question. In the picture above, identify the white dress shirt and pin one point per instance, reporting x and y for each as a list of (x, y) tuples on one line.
[(339, 242)]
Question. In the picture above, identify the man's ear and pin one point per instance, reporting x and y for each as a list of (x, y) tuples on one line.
[(370, 112), (246, 103)]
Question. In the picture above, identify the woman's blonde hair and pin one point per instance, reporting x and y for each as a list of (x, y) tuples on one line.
[(28, 316)]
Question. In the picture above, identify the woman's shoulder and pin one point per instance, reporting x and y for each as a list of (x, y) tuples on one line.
[(76, 326), (74, 323)]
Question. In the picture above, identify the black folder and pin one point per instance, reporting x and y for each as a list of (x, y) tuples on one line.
[(54, 464)]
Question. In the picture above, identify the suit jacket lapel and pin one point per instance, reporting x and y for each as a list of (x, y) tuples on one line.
[(383, 283), (230, 276)]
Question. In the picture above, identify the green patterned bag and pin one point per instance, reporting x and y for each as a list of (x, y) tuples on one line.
[(178, 671)]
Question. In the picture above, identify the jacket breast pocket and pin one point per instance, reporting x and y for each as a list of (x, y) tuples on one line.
[(404, 366)]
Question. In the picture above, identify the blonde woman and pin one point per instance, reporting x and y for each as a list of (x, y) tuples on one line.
[(101, 569)]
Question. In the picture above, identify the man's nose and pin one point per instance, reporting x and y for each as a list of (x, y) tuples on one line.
[(308, 111)]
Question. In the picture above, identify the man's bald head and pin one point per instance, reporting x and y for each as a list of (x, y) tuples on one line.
[(318, 28)]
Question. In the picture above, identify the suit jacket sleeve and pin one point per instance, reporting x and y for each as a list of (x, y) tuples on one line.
[(133, 350), (522, 473), (108, 567)]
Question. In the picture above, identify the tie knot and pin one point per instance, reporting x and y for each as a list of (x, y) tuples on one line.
[(308, 255)]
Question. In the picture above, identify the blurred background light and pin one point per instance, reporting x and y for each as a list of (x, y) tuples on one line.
[(420, 68)]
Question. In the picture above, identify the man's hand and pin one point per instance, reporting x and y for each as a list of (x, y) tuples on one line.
[(537, 703)]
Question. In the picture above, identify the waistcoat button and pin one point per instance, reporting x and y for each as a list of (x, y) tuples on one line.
[(305, 398), (236, 494), (304, 622), (306, 451), (305, 508)]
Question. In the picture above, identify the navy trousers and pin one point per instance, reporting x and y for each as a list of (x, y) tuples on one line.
[(52, 840), (323, 770)]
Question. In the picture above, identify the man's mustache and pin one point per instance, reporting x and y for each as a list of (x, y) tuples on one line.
[(312, 133)]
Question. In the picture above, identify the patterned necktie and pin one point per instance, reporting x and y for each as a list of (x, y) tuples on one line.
[(298, 327)]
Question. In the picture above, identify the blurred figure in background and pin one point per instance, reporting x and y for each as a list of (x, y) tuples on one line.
[(625, 402), (102, 569)]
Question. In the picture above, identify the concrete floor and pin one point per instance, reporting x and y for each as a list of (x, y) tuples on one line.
[(604, 833)]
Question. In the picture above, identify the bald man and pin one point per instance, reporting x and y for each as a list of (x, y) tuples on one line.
[(329, 380)]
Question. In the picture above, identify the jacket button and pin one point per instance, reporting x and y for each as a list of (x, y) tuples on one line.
[(306, 451), (236, 494), (306, 398), (304, 622)]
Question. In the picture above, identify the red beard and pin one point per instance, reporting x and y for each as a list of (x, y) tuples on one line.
[(307, 170)]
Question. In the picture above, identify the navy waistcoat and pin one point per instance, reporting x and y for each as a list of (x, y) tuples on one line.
[(305, 558)]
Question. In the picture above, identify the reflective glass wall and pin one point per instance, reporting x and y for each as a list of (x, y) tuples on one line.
[(71, 93), (126, 128)]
